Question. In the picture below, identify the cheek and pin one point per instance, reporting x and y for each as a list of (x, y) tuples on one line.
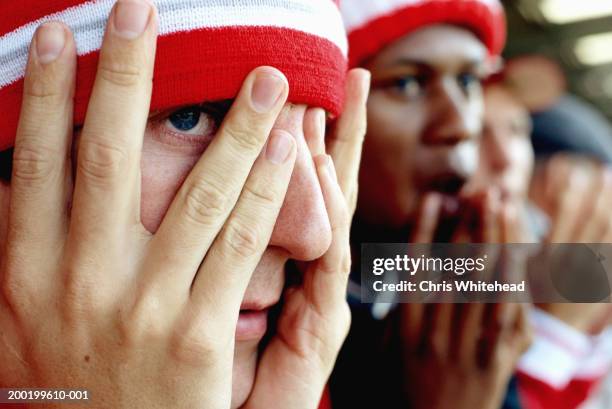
[(162, 176), (475, 114), (393, 133)]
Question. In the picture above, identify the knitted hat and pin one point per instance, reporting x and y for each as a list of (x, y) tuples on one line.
[(205, 50), (373, 24)]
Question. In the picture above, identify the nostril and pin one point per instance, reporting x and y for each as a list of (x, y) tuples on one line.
[(305, 236)]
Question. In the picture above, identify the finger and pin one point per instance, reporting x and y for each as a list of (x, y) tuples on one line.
[(469, 331), (107, 189), (467, 225), (428, 219), (566, 204), (210, 192), (511, 229), (40, 184), (488, 218), (596, 212), (437, 330), (523, 330), (218, 288), (346, 141), (314, 131), (495, 326), (315, 325), (327, 278), (411, 325)]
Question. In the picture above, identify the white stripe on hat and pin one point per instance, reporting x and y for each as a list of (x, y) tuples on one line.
[(88, 20), (357, 13)]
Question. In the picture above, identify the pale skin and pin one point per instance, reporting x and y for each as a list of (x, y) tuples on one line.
[(138, 297), (576, 193), (506, 154)]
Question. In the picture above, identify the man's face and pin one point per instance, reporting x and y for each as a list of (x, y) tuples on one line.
[(173, 143), (424, 117), (506, 154)]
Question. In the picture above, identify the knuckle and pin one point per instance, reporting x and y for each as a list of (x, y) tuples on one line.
[(143, 322), (346, 262), (436, 347), (245, 138), (102, 162), (120, 74), (33, 163), (42, 90), (265, 195), (205, 203), (16, 291), (198, 347), (240, 239)]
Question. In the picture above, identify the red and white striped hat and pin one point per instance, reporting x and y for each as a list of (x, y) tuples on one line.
[(205, 49), (373, 24)]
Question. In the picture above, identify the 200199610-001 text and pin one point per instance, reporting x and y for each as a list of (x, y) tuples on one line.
[(39, 395)]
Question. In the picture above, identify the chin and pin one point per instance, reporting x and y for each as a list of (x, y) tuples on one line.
[(243, 376)]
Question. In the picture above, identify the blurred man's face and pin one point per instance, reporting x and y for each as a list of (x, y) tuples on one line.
[(424, 118), (173, 143), (506, 154)]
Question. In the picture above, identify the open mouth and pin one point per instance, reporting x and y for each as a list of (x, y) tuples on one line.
[(448, 184)]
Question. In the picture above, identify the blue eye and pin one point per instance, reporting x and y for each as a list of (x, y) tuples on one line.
[(186, 119)]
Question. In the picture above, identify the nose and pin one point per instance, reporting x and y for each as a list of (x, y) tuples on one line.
[(302, 227), (454, 118)]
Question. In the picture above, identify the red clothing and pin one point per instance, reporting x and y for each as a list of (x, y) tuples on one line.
[(325, 400), (563, 366)]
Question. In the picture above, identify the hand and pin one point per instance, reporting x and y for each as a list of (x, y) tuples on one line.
[(461, 355), (453, 352), (480, 218), (91, 300), (576, 193), (315, 318)]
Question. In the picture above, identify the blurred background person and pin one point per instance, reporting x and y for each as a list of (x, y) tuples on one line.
[(425, 172), (552, 373), (428, 60)]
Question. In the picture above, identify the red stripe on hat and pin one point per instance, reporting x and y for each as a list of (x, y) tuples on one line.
[(211, 64), (35, 10), (488, 24)]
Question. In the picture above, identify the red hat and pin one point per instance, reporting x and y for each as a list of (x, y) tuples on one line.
[(373, 24), (205, 50)]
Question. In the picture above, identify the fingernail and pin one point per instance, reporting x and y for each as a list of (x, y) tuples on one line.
[(50, 41), (266, 91), (131, 18), (279, 147)]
